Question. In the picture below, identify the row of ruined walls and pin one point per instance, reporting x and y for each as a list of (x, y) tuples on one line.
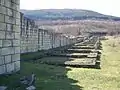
[(33, 39), (19, 34)]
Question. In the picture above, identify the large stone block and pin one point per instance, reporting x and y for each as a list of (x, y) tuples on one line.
[(17, 36), (2, 10), (17, 7), (2, 18), (16, 28), (16, 42), (9, 27), (18, 15), (2, 69), (17, 2), (7, 3), (17, 50), (2, 2), (10, 68), (10, 35), (7, 51), (1, 60), (17, 21), (10, 12), (10, 19), (13, 1), (7, 43), (0, 43), (17, 66), (13, 6), (8, 59), (2, 26), (16, 57), (2, 34)]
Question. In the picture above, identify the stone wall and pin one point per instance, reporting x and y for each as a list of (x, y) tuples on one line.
[(29, 35), (9, 36), (34, 39), (19, 34)]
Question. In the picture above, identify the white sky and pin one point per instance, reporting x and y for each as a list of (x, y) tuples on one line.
[(110, 7)]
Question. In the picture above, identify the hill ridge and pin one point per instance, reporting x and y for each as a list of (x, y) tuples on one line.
[(66, 14)]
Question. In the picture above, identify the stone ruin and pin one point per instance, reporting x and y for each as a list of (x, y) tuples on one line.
[(19, 34), (9, 36)]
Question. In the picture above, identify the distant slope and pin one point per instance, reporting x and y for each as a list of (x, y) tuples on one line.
[(66, 14)]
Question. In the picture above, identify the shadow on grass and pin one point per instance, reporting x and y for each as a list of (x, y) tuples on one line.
[(48, 78)]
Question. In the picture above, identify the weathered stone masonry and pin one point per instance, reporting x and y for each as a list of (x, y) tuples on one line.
[(19, 34), (29, 35), (34, 39), (9, 36)]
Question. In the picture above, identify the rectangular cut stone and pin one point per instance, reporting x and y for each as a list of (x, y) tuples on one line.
[(10, 35), (15, 57), (17, 50), (10, 12), (12, 49), (17, 2), (16, 28), (10, 19), (13, 1), (1, 60), (17, 66), (14, 14), (1, 18), (1, 51), (2, 10), (10, 67), (2, 2), (2, 69), (7, 3), (2, 26), (17, 21), (18, 7), (6, 19), (8, 59), (2, 34), (13, 6), (0, 43), (16, 42), (17, 35), (7, 43), (7, 51), (9, 27), (18, 15)]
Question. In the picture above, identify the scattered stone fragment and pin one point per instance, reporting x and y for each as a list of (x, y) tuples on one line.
[(28, 80), (3, 87), (32, 81), (24, 80), (31, 88)]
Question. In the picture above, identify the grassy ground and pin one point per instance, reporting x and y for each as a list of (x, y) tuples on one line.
[(108, 77), (48, 77), (65, 78)]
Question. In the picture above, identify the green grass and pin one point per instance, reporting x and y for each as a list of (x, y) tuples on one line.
[(48, 77), (32, 55), (108, 77), (60, 78)]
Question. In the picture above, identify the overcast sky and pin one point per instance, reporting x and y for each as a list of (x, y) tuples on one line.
[(109, 7)]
